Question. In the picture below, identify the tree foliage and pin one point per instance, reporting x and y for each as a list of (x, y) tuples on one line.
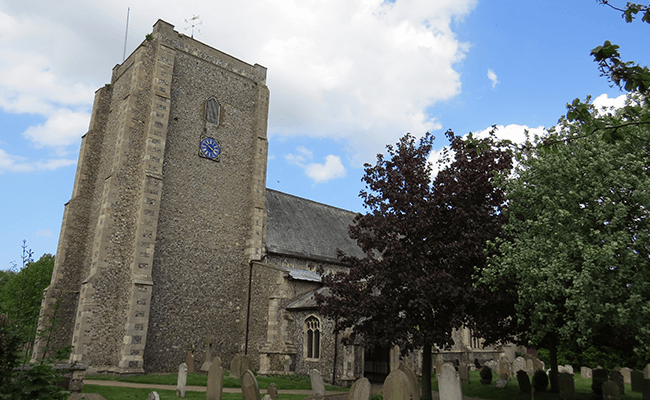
[(422, 241), (577, 240)]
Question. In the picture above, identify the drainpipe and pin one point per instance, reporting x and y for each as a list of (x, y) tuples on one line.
[(248, 310), (336, 346)]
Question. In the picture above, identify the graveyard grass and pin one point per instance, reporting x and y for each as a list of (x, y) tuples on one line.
[(123, 393)]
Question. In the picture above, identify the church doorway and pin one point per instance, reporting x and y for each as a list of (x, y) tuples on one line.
[(376, 364)]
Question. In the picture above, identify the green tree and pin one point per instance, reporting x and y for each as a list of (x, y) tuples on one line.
[(577, 240), (422, 240)]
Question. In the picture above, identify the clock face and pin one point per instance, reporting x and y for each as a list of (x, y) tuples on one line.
[(210, 148)]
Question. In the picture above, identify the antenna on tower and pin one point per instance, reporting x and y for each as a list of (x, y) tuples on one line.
[(126, 34), (193, 22)]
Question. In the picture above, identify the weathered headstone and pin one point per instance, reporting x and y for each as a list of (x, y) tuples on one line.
[(518, 364), (205, 367), (502, 383), (627, 375), (611, 391), (585, 372), (182, 380), (503, 368), (250, 390), (272, 391), (567, 386), (235, 367), (266, 397), (413, 379), (397, 386), (449, 387), (317, 384), (646, 372), (524, 381), (189, 359), (153, 396), (617, 378), (215, 381), (493, 365), (529, 366), (360, 390), (537, 364), (637, 381), (645, 393), (463, 373)]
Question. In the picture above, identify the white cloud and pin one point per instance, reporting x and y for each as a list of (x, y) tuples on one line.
[(9, 163), (604, 103), (362, 70), (44, 233), (63, 128), (492, 77), (332, 169), (513, 132)]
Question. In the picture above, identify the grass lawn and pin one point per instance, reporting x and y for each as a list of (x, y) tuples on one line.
[(490, 392)]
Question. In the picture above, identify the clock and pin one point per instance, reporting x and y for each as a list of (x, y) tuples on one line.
[(210, 148)]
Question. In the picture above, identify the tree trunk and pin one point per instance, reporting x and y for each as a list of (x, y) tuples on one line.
[(553, 376), (426, 372)]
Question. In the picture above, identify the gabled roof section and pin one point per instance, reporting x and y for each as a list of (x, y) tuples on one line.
[(303, 228)]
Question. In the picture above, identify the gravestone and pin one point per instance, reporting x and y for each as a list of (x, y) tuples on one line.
[(153, 396), (645, 393), (215, 381), (493, 365), (272, 391), (360, 390), (537, 364), (250, 390), (646, 372), (182, 380), (599, 373), (585, 372), (189, 360), (266, 397), (205, 367), (518, 364), (413, 379), (529, 366), (637, 381), (504, 368), (567, 386), (617, 378), (397, 386), (611, 391), (502, 383), (449, 387), (235, 367), (463, 373), (317, 384), (627, 375), (524, 381)]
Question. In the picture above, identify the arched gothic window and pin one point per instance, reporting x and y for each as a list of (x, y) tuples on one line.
[(312, 337)]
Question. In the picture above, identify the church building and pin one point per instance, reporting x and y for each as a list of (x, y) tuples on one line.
[(171, 240)]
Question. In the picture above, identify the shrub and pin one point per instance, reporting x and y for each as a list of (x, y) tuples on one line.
[(540, 380)]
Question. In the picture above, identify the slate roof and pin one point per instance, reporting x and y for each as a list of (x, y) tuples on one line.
[(303, 228)]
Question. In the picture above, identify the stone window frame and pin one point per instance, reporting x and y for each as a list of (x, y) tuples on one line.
[(312, 338), (218, 111)]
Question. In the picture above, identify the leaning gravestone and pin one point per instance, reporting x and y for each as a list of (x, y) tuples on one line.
[(585, 372), (215, 381), (250, 390), (317, 384), (397, 386), (611, 391), (449, 387), (182, 380), (637, 381), (153, 396), (627, 375), (413, 379), (524, 381), (360, 390), (617, 377), (272, 391), (567, 386)]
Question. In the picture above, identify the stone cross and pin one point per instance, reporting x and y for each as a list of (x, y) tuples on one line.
[(360, 390), (250, 390), (449, 387), (317, 384), (182, 380), (215, 381)]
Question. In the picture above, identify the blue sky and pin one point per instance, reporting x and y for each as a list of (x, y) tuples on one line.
[(346, 78)]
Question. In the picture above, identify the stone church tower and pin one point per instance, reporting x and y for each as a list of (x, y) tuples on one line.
[(167, 212)]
